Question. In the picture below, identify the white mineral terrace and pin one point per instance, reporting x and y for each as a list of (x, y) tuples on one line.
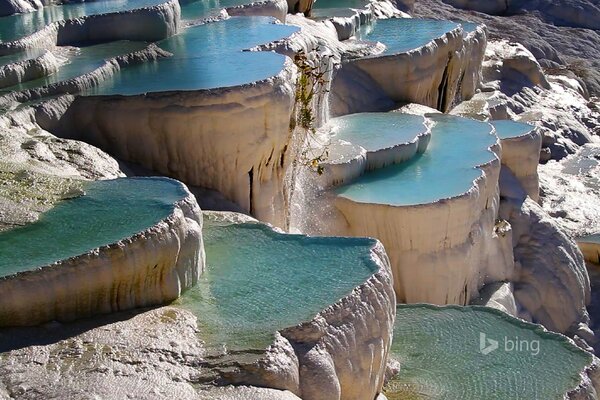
[(377, 159)]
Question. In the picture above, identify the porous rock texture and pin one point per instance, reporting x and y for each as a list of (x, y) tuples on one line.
[(551, 284), (536, 24), (50, 168)]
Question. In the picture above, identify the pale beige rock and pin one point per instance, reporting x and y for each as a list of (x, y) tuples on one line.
[(521, 155)]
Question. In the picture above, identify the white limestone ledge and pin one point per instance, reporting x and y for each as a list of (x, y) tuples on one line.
[(149, 268), (233, 139), (143, 24), (442, 252), (439, 74), (27, 70), (521, 154), (268, 8)]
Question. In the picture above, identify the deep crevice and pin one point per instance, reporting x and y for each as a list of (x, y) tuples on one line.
[(443, 89), (251, 179)]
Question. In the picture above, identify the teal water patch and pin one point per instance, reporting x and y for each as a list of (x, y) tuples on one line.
[(82, 60), (108, 212), (259, 281), (328, 4), (595, 238), (376, 131), (441, 356), (22, 56), (468, 27), (205, 56), (16, 26), (400, 35), (507, 129), (194, 10), (446, 169)]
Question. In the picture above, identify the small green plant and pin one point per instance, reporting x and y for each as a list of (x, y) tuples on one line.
[(311, 88)]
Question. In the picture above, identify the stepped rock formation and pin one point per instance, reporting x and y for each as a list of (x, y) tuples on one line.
[(143, 24), (438, 74)]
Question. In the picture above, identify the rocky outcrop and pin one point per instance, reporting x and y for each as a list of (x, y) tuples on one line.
[(552, 286), (521, 154), (574, 51), (49, 168)]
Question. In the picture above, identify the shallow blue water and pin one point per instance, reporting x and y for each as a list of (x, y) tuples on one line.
[(446, 169), (325, 4), (201, 9), (469, 27), (258, 281), (206, 56), (108, 212), (439, 350), (24, 55), (81, 61), (376, 131), (591, 238), (400, 35), (506, 129), (14, 27)]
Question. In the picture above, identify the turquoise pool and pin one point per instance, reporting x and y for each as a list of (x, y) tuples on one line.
[(16, 26), (82, 61), (206, 56), (439, 349), (507, 129), (108, 212), (193, 10), (327, 4), (400, 35), (446, 169), (22, 56), (590, 238), (258, 281), (376, 131)]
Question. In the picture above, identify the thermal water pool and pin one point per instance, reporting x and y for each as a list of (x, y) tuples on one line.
[(109, 211), (259, 281), (446, 169), (465, 353), (16, 26), (205, 56)]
